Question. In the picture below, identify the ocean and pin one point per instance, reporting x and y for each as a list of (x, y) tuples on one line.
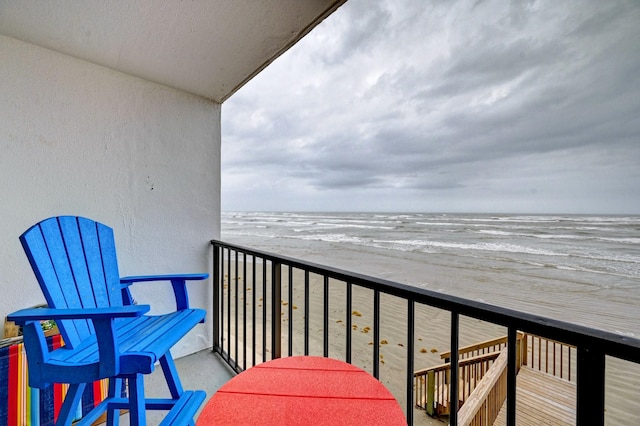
[(581, 269)]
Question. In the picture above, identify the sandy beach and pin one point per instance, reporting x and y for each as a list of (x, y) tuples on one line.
[(431, 334)]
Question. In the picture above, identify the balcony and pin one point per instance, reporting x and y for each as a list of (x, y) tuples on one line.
[(335, 313)]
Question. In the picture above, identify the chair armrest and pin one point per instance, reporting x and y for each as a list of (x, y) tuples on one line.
[(166, 277), (103, 322), (38, 314), (178, 282)]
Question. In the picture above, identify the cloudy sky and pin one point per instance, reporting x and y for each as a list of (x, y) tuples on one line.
[(443, 106)]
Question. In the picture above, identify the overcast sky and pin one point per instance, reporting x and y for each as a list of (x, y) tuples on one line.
[(442, 106)]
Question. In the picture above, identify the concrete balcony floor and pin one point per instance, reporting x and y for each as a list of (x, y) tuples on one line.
[(203, 370)]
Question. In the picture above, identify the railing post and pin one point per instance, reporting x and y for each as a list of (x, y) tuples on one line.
[(244, 311), (325, 317), (431, 393), (306, 312), (590, 387), (264, 308), (376, 334), (349, 321), (411, 313), (276, 310), (455, 369), (518, 354), (512, 371), (254, 327), (227, 335), (216, 298), (290, 313)]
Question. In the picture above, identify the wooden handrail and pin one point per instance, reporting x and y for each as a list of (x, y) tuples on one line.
[(488, 396), (431, 383), (463, 362), (481, 345), (431, 396)]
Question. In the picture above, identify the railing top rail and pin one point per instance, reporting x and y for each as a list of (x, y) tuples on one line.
[(461, 363), (616, 345)]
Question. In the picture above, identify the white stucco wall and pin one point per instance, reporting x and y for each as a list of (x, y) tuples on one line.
[(80, 139)]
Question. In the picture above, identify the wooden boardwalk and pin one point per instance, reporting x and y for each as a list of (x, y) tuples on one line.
[(542, 399)]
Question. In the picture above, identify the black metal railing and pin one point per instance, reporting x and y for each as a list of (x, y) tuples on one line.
[(231, 287)]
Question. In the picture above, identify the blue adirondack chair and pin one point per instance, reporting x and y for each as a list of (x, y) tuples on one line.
[(106, 335)]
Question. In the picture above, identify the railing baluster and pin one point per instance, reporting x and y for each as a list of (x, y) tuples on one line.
[(237, 325), (546, 356), (228, 334), (349, 309), (290, 311), (276, 310), (253, 311), (454, 382), (512, 370), (244, 312), (439, 389), (411, 309), (539, 354), (376, 334), (222, 317), (325, 317), (306, 312), (561, 361), (264, 309)]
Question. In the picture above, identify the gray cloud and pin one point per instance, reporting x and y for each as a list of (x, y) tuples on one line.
[(408, 105)]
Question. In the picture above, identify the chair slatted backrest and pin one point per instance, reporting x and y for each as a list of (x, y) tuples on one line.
[(74, 260)]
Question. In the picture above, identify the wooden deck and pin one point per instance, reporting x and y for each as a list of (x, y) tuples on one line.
[(542, 399)]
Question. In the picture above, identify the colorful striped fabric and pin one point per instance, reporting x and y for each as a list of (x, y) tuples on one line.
[(21, 405)]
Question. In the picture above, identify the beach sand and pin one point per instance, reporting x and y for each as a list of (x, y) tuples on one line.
[(432, 328)]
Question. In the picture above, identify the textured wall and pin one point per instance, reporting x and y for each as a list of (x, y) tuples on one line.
[(80, 139)]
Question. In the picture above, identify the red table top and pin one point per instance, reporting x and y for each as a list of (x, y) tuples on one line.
[(303, 390)]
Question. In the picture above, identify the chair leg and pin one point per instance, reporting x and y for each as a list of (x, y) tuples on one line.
[(171, 375), (70, 404), (137, 413), (115, 391)]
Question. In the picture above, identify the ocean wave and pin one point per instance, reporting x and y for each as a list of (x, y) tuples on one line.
[(528, 235), (331, 238), (622, 240), (492, 247), (352, 225), (495, 247)]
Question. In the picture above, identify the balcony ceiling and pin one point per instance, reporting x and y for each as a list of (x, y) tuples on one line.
[(209, 48)]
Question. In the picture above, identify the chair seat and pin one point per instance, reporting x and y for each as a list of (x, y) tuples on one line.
[(141, 340)]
